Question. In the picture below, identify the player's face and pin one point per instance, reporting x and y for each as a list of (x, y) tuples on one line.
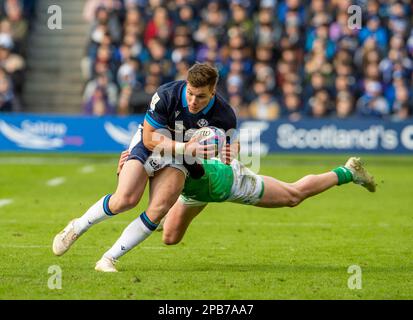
[(198, 98)]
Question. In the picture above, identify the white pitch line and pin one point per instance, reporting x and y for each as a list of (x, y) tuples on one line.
[(56, 181), (87, 169), (5, 202)]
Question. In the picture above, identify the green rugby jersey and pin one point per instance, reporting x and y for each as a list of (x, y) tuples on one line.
[(214, 186)]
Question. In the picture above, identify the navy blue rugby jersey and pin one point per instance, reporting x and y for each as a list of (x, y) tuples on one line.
[(169, 110)]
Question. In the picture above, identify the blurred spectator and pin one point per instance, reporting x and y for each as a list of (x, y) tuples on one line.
[(321, 32), (373, 29), (8, 100), (402, 105), (104, 23), (91, 6), (241, 20), (208, 49), (98, 103), (291, 9), (317, 82), (292, 107), (182, 68), (183, 45), (141, 96), (124, 104), (102, 81), (372, 103), (12, 63), (186, 17), (159, 58), (264, 106), (16, 25), (127, 74), (319, 105), (105, 60), (237, 102), (215, 17), (344, 104), (134, 23), (160, 26)]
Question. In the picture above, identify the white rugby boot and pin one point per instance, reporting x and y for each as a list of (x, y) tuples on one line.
[(106, 265), (360, 174), (63, 240)]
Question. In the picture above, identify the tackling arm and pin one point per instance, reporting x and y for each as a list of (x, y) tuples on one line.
[(230, 152)]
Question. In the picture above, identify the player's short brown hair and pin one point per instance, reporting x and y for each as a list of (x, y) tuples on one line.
[(202, 74)]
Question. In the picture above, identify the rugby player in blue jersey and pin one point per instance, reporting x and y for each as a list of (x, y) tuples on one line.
[(176, 108)]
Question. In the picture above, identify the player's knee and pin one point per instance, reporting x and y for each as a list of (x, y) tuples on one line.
[(294, 198), (170, 240), (123, 202)]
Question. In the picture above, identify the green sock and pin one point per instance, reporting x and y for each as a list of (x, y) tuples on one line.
[(344, 175)]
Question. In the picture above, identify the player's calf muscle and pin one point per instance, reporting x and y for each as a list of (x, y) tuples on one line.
[(313, 184)]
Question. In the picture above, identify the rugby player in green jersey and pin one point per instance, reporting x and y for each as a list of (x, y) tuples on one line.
[(236, 183)]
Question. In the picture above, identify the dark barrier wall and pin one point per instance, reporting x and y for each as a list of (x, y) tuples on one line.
[(26, 132)]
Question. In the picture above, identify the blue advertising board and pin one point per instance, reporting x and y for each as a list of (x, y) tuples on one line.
[(29, 132), (331, 136)]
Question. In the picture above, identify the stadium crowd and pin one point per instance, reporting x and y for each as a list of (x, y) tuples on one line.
[(14, 25), (276, 58)]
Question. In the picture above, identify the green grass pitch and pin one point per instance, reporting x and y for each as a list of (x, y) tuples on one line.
[(230, 251)]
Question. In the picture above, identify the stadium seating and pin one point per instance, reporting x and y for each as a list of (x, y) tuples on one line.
[(286, 58)]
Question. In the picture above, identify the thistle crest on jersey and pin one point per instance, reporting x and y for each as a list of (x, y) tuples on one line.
[(202, 123)]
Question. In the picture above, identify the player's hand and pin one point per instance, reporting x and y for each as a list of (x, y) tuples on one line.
[(229, 152), (195, 149), (123, 157)]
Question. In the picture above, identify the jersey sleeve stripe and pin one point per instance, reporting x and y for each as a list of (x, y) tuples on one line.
[(153, 122)]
